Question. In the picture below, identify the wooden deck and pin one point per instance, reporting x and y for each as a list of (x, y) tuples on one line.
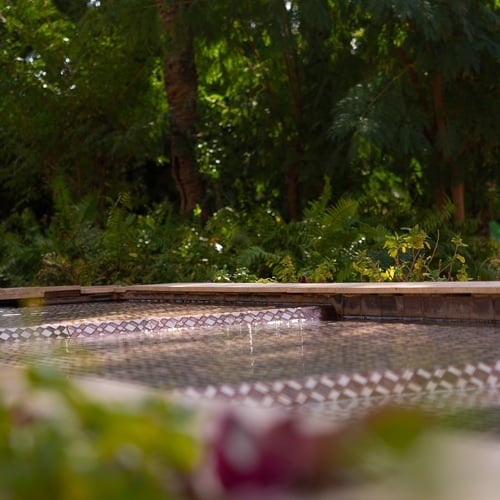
[(476, 301)]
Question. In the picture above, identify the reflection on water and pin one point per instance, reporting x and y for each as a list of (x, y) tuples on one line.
[(250, 339), (260, 352), (279, 351), (170, 358)]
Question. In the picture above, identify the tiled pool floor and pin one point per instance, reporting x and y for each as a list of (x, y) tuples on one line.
[(260, 357), (262, 352), (12, 317)]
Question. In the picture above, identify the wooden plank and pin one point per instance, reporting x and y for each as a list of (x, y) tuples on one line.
[(477, 301), (270, 289), (472, 287), (37, 292)]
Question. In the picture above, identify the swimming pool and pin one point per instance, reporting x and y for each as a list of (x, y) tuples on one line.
[(262, 357)]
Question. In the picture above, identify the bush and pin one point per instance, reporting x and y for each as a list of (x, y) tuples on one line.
[(334, 242), (57, 444)]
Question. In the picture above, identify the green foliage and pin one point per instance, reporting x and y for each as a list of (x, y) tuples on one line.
[(413, 258), (78, 97), (483, 257), (423, 96), (70, 446), (20, 241), (334, 243), (386, 195), (84, 169)]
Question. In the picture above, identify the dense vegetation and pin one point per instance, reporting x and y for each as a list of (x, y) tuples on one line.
[(186, 140)]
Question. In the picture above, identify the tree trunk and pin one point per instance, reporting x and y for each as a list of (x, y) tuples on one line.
[(456, 181), (458, 199), (181, 87)]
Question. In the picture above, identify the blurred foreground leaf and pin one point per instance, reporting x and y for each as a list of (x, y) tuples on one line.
[(58, 443)]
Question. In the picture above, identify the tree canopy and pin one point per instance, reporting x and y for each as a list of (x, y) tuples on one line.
[(251, 105)]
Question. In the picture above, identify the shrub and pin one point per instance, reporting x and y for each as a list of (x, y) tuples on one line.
[(57, 443), (334, 242)]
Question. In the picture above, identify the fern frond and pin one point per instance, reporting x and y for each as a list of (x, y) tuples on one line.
[(433, 220), (339, 216), (253, 254), (376, 233), (317, 207)]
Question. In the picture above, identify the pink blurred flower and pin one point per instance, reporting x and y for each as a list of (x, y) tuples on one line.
[(281, 456)]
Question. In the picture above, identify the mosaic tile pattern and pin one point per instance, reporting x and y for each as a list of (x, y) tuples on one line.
[(13, 317), (74, 320), (386, 383), (477, 409), (201, 321), (281, 357)]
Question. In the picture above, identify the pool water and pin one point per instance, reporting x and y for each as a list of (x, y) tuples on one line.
[(286, 358), (263, 352)]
